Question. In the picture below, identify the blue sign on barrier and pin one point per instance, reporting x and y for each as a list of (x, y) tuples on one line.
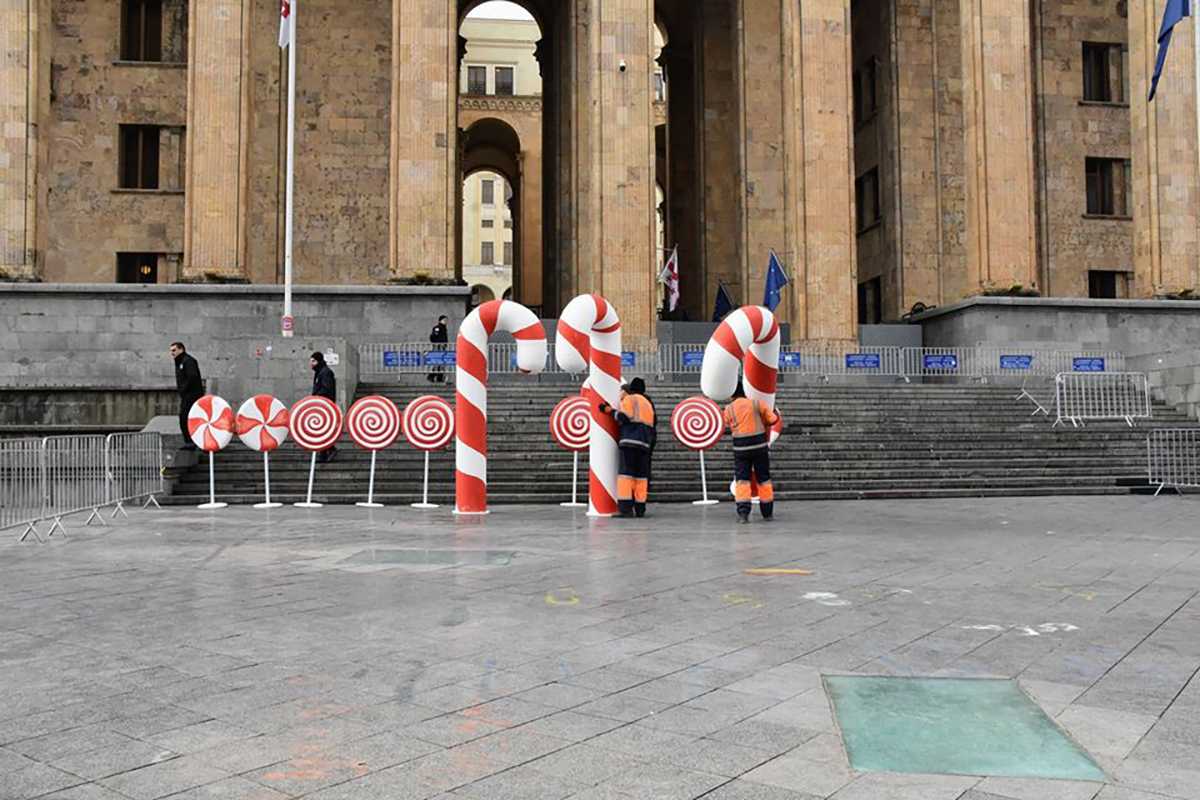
[(941, 361), (401, 358), (628, 358), (440, 358), (1016, 362), (789, 361), (1087, 365), (864, 361), (693, 358)]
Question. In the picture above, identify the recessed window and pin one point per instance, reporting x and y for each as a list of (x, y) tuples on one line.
[(487, 253), (487, 223), (866, 91), (141, 30), (137, 166), (866, 197), (660, 87), (476, 80), (1108, 184), (137, 267), (505, 83), (1104, 73), (508, 253), (508, 224), (487, 190), (1106, 284), (870, 302)]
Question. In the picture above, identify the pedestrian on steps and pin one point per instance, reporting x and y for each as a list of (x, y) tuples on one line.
[(636, 419), (439, 336), (190, 386), (750, 423), (324, 385)]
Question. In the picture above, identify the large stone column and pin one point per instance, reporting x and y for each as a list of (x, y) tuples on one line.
[(685, 191), (424, 170), (1166, 169), (614, 241), (217, 139), (21, 147), (998, 116)]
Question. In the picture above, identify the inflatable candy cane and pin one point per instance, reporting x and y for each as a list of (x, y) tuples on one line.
[(470, 402), (748, 338), (589, 335)]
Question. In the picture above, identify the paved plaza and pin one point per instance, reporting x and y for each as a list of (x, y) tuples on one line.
[(533, 653)]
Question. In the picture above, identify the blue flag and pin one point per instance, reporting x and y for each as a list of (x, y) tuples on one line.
[(776, 280), (1176, 11), (724, 304)]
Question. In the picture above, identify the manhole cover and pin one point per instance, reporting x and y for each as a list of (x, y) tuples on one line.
[(430, 558), (952, 726)]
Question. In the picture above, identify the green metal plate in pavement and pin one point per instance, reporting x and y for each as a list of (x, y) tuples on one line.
[(952, 726)]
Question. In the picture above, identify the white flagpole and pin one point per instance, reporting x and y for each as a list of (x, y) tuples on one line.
[(287, 322)]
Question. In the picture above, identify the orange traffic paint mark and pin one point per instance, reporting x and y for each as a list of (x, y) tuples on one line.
[(777, 571)]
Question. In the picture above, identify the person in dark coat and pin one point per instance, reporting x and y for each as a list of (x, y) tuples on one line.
[(439, 336), (324, 385), (190, 386), (637, 420)]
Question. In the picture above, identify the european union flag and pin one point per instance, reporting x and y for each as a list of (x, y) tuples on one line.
[(776, 280), (1176, 11), (724, 304)]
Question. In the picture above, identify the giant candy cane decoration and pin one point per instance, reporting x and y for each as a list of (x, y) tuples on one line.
[(748, 337), (589, 335), (471, 375)]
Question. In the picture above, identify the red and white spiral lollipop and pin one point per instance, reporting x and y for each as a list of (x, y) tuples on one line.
[(373, 422), (210, 423), (697, 423), (262, 423), (429, 423), (316, 423), (571, 423)]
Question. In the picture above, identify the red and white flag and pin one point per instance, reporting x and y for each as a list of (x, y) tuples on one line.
[(669, 277), (287, 31)]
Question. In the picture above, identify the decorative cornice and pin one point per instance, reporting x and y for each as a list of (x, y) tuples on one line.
[(476, 102)]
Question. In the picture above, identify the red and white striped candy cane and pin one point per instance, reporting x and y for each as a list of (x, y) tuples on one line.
[(471, 376), (749, 337), (589, 335)]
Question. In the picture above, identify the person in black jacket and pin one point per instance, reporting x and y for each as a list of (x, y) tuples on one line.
[(637, 421), (190, 386), (439, 336), (324, 385)]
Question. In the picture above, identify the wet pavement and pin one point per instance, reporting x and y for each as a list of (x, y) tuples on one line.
[(534, 653)]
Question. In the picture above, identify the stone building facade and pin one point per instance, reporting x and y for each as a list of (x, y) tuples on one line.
[(891, 153)]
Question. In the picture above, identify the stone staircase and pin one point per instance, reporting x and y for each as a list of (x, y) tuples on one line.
[(841, 442)]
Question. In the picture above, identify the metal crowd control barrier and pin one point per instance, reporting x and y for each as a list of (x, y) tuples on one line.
[(75, 477), (420, 358), (827, 361), (1173, 456), (1080, 397), (133, 465), (22, 487)]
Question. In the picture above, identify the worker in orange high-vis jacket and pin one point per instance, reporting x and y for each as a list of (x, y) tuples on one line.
[(750, 423), (637, 435)]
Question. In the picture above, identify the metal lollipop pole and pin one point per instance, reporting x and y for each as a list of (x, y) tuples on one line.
[(704, 486)]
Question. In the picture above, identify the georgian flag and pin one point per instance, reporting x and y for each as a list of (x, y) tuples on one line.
[(287, 31), (669, 277)]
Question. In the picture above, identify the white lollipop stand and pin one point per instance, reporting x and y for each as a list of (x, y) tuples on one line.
[(425, 491), (704, 486), (212, 489), (312, 471), (574, 486), (371, 488), (267, 483)]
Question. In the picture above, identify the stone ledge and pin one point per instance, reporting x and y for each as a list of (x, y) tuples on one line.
[(1072, 303), (266, 290)]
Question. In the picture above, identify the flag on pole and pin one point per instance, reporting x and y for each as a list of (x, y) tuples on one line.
[(724, 304), (669, 277), (776, 280), (286, 30), (1176, 11)]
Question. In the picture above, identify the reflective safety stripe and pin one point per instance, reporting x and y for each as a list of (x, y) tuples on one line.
[(741, 491), (641, 488), (766, 492), (625, 485)]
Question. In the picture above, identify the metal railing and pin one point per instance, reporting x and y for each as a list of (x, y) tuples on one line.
[(420, 358), (22, 492), (1173, 458), (75, 478), (133, 465), (1082, 397)]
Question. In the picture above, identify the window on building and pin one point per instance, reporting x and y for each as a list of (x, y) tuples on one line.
[(505, 81), (476, 80), (1108, 187), (1104, 72), (870, 302), (141, 30), (866, 92), (137, 267), (487, 223), (508, 224), (866, 197), (487, 192), (138, 157), (660, 87), (508, 254), (487, 253), (1106, 284)]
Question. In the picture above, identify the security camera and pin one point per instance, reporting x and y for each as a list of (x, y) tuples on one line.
[(622, 66)]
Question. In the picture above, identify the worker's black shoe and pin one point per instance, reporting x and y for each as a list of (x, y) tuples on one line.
[(743, 519)]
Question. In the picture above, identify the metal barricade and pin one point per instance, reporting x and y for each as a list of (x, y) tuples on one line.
[(75, 478), (941, 362), (133, 466), (825, 361), (1080, 397), (1173, 458), (22, 486), (381, 360)]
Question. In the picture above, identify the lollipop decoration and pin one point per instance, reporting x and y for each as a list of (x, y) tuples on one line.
[(428, 425), (571, 427), (698, 425), (374, 424), (210, 424), (262, 425), (316, 424)]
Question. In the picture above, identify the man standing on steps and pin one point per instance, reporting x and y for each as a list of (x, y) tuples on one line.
[(750, 422), (190, 386), (439, 336), (324, 385), (637, 435)]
